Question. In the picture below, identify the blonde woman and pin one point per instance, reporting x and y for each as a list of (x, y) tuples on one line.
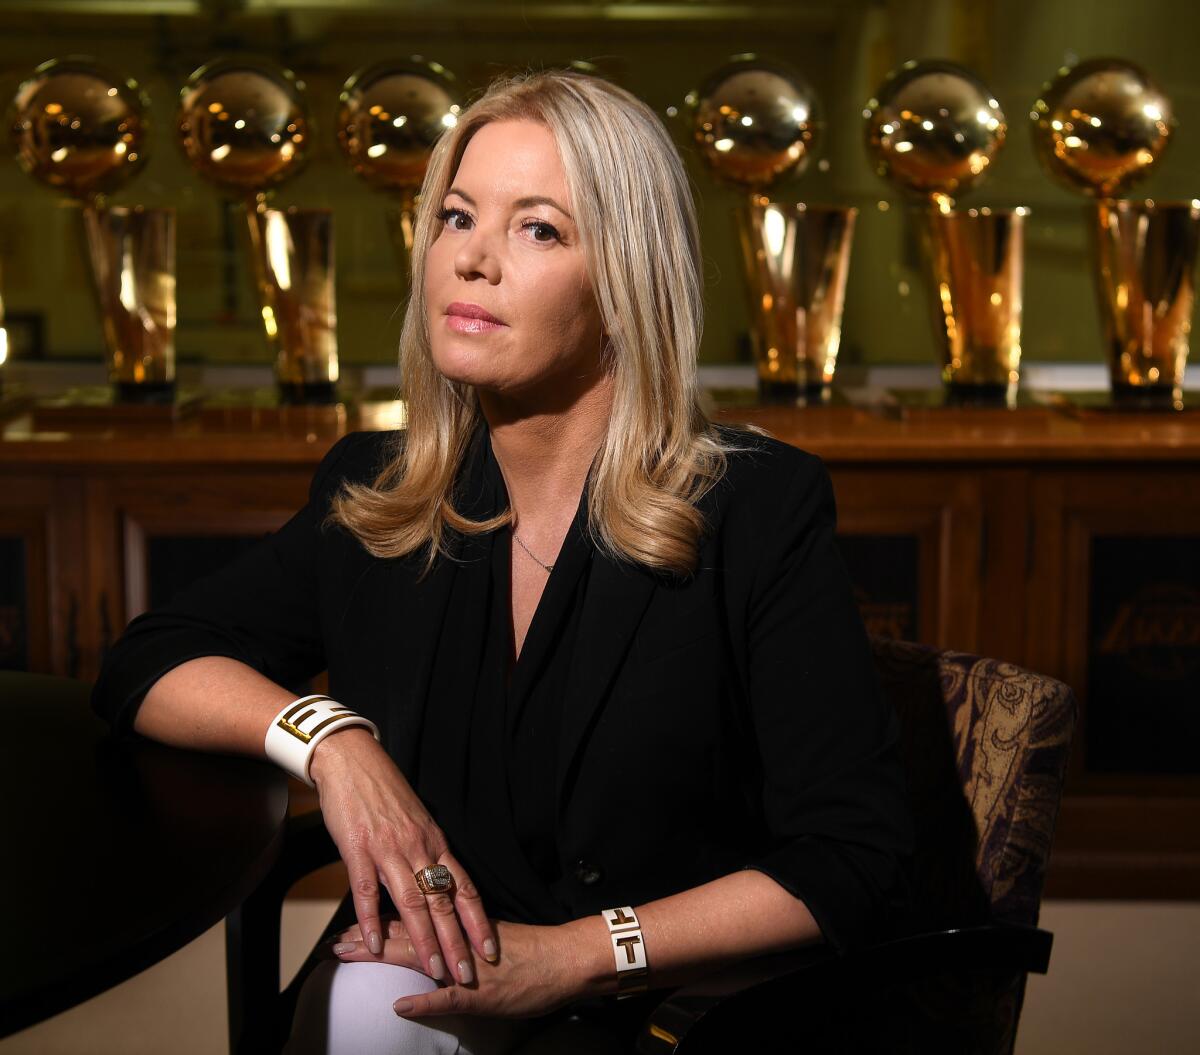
[(628, 728)]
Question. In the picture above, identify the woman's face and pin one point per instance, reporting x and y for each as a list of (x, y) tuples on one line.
[(508, 246)]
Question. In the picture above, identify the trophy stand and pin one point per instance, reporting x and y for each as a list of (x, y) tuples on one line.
[(796, 260), (1145, 255), (975, 267), (292, 251)]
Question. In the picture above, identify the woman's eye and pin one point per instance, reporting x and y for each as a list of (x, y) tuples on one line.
[(542, 231), (451, 216)]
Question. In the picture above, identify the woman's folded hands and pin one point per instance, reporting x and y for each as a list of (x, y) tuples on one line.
[(384, 835)]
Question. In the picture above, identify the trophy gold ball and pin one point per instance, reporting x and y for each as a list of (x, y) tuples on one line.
[(933, 128), (1101, 125), (78, 127), (243, 125), (390, 115), (754, 121)]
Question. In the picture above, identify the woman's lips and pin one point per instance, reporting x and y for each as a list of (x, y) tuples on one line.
[(471, 318), (465, 324)]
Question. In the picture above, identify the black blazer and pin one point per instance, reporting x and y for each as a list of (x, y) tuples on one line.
[(729, 720)]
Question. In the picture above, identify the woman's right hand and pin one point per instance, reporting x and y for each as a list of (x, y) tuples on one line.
[(383, 831)]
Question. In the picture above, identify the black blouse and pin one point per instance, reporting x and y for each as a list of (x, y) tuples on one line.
[(488, 751)]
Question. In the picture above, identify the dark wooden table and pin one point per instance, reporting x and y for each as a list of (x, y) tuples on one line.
[(116, 854)]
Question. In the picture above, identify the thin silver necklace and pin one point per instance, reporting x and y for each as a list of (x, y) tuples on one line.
[(548, 567)]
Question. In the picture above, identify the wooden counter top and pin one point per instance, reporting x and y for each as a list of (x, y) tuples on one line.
[(843, 434), (850, 434)]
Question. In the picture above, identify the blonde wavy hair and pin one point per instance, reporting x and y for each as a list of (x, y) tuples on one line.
[(634, 209)]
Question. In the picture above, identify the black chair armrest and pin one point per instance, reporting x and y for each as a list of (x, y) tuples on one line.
[(252, 937), (769, 990), (994, 946)]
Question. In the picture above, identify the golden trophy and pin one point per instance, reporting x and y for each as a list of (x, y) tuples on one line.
[(934, 130), (754, 122), (1098, 128), (82, 130), (389, 117), (243, 125)]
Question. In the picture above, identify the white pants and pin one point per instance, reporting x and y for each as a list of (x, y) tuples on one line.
[(346, 1009)]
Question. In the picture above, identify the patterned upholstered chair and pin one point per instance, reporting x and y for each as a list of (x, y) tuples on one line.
[(985, 748)]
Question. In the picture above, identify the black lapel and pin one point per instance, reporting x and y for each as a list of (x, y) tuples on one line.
[(417, 609), (415, 640), (616, 598)]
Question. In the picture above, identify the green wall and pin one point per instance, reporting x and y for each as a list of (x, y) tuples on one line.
[(658, 51)]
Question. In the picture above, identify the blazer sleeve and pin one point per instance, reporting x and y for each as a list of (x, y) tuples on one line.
[(261, 609), (834, 799)]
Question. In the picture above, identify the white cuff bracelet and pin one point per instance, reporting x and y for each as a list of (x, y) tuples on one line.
[(296, 730), (629, 949)]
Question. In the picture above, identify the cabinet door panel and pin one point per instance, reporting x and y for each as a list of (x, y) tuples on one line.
[(1116, 615), (16, 648), (40, 575), (171, 530), (165, 552), (886, 572), (1142, 665), (912, 543)]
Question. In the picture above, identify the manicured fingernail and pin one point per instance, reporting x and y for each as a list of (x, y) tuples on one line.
[(465, 974), (343, 947), (437, 966), (375, 943), (402, 1007), (489, 950)]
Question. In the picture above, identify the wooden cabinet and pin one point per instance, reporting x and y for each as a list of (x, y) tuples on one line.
[(41, 574), (1063, 542), (96, 527)]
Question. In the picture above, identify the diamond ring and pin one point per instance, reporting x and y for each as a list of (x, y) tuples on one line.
[(434, 879)]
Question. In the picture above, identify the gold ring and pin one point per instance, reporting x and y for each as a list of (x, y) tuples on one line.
[(434, 879)]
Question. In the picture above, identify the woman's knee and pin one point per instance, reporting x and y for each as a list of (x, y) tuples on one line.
[(346, 1009)]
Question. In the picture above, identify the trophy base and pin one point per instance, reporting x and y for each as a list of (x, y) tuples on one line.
[(792, 393), (985, 394), (13, 403), (1146, 397), (144, 393), (307, 393), (102, 406)]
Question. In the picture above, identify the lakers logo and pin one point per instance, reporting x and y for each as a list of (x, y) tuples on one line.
[(894, 619), (1157, 631)]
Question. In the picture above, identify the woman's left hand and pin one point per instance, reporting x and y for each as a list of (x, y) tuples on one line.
[(536, 972)]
